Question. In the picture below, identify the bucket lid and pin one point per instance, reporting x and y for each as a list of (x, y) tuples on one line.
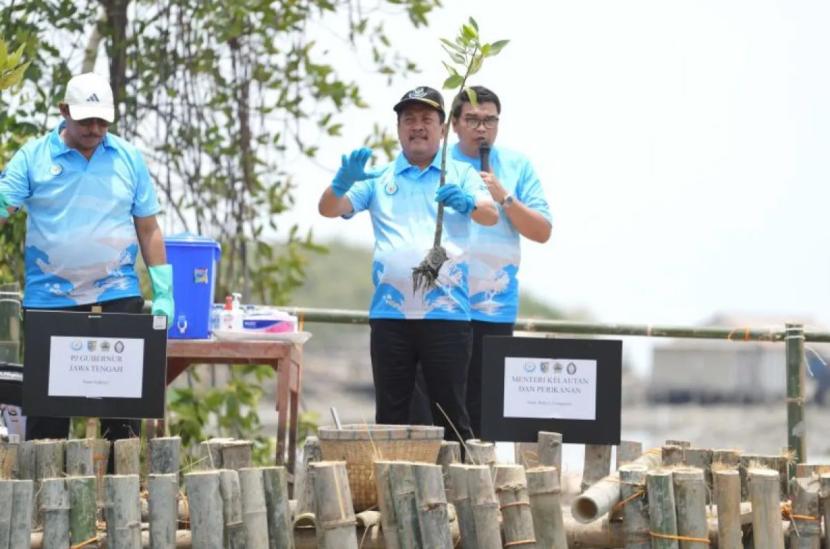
[(194, 240)]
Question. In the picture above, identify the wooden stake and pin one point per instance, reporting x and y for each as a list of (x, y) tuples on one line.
[(511, 490), (82, 508), (21, 515), (333, 505), (480, 453), (764, 488), (127, 452), (628, 451), (805, 526), (164, 496), (165, 455), (232, 509), (597, 464), (635, 511), (303, 490), (728, 499), (205, 504), (690, 502), (123, 512), (280, 529), (54, 507), (254, 512), (402, 483), (546, 508), (388, 517), (661, 505), (431, 502)]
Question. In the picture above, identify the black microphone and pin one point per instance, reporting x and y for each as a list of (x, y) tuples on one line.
[(484, 155)]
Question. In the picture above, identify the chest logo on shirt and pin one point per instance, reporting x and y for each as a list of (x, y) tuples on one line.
[(391, 188), (56, 169)]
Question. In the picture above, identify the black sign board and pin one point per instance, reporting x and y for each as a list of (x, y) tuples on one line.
[(111, 365), (568, 386)]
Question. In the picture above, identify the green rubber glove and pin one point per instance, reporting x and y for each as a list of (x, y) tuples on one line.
[(162, 278), (4, 207)]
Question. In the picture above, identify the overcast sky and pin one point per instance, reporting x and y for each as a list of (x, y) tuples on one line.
[(683, 147)]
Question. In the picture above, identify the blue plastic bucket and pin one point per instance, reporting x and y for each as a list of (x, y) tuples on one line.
[(194, 259)]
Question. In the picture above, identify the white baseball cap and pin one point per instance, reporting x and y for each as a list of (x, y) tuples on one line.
[(89, 95)]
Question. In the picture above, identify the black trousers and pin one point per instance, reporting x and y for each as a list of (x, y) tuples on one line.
[(442, 349), (111, 429), (474, 375)]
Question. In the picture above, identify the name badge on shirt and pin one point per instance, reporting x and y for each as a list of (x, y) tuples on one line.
[(391, 188), (56, 169)]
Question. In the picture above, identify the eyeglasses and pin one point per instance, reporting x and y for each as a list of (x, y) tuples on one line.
[(489, 122)]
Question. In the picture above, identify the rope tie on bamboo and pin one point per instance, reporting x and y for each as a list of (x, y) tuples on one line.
[(620, 504), (520, 542), (678, 538), (514, 504), (84, 543)]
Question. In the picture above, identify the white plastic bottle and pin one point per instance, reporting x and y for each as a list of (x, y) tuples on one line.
[(237, 312)]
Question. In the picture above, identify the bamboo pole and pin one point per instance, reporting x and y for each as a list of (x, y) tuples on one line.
[(701, 458), (333, 505), (549, 447), (485, 507), (680, 443), (597, 464), (628, 451), (8, 460), (127, 451), (234, 532), (805, 523), (449, 453), (48, 463), (21, 516), (635, 511), (280, 530), (460, 497), (673, 455), (210, 453), (511, 490), (237, 454), (796, 423), (164, 497), (480, 453), (165, 455), (79, 453), (431, 502), (661, 505), (6, 491), (388, 517), (824, 495), (311, 454), (254, 512), (526, 454), (803, 470), (205, 505), (54, 507), (123, 512), (605, 494), (402, 483), (774, 462), (728, 499), (767, 532), (544, 491), (82, 508), (726, 459), (690, 502), (26, 460)]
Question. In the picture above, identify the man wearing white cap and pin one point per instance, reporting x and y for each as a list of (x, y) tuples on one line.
[(91, 208)]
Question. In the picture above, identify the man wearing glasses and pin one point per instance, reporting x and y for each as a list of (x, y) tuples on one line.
[(91, 210), (495, 251)]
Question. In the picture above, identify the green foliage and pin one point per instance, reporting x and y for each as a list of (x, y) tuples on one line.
[(467, 53)]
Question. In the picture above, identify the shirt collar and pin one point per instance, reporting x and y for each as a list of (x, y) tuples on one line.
[(58, 146), (402, 164)]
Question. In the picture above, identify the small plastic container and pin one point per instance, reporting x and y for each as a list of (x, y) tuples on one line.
[(272, 321), (194, 259)]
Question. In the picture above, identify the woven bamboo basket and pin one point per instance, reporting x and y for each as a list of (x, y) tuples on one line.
[(360, 445)]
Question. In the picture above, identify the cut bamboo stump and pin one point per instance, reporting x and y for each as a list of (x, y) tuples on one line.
[(254, 512), (661, 505), (6, 491), (449, 453), (690, 502), (764, 488), (726, 459), (280, 530), (8, 460), (485, 507), (237, 454), (26, 460), (803, 470), (673, 454), (511, 489), (232, 509), (210, 453), (311, 454), (597, 464), (824, 495), (544, 492), (388, 517), (431, 501), (600, 498), (333, 505), (805, 525), (79, 454), (526, 454), (402, 488), (635, 511), (549, 447), (701, 458), (164, 492), (205, 503), (728, 499), (165, 455), (760, 461), (21, 514), (48, 463), (54, 506), (82, 508), (123, 512), (680, 443), (460, 498), (127, 452), (480, 453), (628, 451)]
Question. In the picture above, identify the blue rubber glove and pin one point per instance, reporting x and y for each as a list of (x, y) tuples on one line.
[(4, 207), (162, 278), (455, 197), (352, 169)]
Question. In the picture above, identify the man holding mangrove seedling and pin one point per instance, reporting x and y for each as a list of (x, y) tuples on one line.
[(495, 251), (411, 327), (91, 207)]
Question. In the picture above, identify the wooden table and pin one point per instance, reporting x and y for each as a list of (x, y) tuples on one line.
[(286, 360)]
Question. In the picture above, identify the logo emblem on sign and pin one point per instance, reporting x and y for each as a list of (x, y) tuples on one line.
[(90, 345), (529, 366), (571, 369), (105, 346), (77, 345), (544, 366), (119, 347)]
